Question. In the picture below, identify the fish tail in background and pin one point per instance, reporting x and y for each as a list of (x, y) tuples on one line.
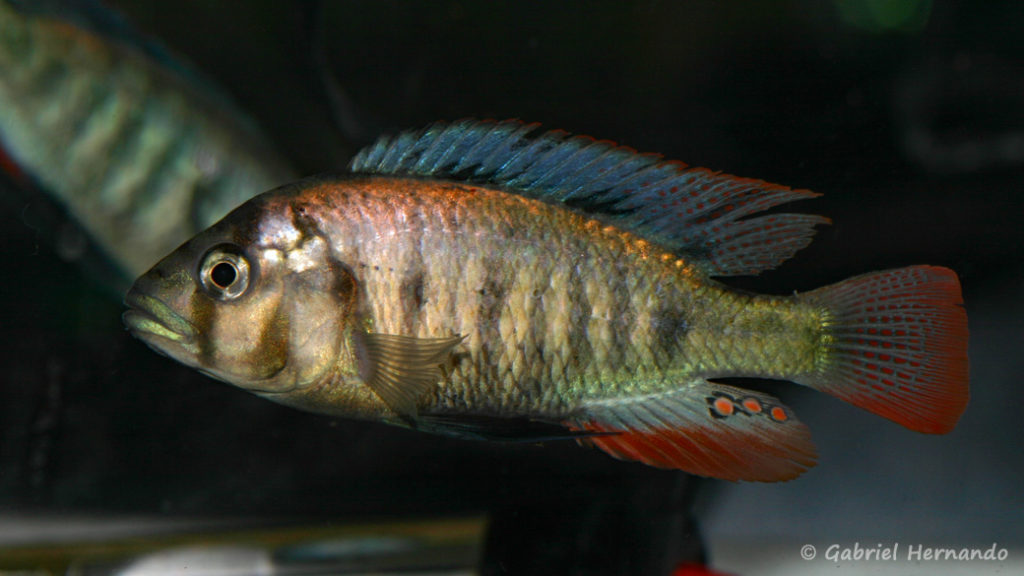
[(896, 346)]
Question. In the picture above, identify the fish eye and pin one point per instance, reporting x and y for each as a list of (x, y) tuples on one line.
[(224, 272)]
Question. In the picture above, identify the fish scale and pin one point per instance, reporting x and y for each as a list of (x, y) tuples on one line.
[(613, 298), (494, 283), (526, 318)]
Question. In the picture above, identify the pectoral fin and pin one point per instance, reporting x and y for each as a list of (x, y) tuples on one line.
[(399, 369)]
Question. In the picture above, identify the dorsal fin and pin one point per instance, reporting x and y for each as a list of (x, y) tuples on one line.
[(692, 211)]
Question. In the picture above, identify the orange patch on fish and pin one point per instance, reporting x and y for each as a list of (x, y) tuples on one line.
[(724, 406), (779, 414), (752, 405)]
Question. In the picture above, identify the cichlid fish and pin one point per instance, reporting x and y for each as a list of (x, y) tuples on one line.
[(141, 151), (482, 280)]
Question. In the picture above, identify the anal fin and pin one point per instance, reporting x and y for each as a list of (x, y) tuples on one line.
[(705, 428)]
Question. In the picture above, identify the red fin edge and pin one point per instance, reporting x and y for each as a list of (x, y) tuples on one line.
[(706, 429), (898, 346)]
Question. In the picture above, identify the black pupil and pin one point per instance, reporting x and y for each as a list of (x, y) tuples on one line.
[(223, 274)]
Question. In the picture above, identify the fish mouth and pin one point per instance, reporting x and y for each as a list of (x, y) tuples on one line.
[(153, 322)]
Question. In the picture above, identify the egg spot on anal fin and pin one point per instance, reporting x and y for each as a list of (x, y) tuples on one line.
[(779, 414), (723, 406), (752, 405), (400, 369), (701, 428)]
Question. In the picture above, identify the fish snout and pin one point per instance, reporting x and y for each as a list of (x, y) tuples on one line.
[(155, 323)]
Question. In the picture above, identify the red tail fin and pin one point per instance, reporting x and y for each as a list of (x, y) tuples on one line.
[(898, 346)]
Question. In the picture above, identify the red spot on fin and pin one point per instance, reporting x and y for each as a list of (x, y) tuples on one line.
[(724, 406), (779, 414), (897, 346), (752, 405), (702, 430), (761, 243)]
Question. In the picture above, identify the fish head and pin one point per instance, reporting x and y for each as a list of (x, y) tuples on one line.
[(256, 301)]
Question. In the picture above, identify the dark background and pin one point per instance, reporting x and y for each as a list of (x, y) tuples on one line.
[(908, 116)]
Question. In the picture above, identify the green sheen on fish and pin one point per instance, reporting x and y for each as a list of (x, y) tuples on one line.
[(485, 280)]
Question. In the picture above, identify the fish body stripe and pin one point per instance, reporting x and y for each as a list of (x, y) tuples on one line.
[(141, 155), (503, 306), (556, 308)]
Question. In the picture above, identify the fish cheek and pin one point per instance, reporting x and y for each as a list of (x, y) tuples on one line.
[(319, 305), (247, 341), (272, 344), (314, 333)]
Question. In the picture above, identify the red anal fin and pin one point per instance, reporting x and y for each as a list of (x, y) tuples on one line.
[(898, 346), (706, 429)]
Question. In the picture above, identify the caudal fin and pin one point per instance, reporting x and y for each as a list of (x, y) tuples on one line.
[(897, 346)]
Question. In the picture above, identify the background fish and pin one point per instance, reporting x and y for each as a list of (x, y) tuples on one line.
[(138, 148), (473, 275)]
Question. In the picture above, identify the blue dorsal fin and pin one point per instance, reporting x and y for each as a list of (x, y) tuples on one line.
[(694, 212)]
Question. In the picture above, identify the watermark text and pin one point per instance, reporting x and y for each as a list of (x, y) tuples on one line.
[(900, 552)]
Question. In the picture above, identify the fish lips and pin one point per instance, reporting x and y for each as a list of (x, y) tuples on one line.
[(165, 331)]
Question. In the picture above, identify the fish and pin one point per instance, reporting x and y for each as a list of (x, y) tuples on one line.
[(140, 150), (492, 280)]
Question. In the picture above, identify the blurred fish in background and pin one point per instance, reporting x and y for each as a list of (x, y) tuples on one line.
[(138, 149)]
